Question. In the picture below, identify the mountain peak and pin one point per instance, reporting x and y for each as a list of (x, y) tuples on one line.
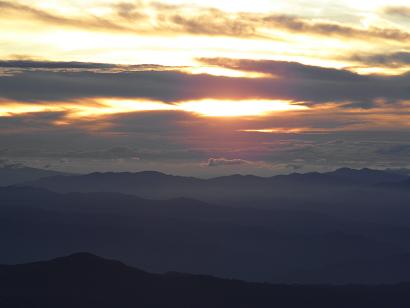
[(80, 256), (84, 258)]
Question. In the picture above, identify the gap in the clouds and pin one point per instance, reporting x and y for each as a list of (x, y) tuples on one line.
[(110, 106)]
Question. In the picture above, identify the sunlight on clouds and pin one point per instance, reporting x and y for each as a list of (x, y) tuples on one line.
[(113, 106), (277, 130), (228, 108), (105, 106), (12, 109), (220, 71), (95, 31)]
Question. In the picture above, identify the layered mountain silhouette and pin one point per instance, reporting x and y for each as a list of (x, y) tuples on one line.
[(157, 185), (85, 280), (280, 243)]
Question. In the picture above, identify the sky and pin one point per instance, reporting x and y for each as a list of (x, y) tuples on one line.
[(205, 88)]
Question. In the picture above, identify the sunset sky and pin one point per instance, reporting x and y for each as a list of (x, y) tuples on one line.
[(205, 88)]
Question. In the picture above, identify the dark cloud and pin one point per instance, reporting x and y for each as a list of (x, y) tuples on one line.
[(54, 65), (395, 59), (13, 165), (29, 121), (318, 84), (154, 135), (293, 81), (283, 69), (168, 122), (4, 162), (181, 138), (62, 86), (324, 28), (216, 162), (18, 62)]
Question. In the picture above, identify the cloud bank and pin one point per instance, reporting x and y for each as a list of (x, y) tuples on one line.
[(290, 81)]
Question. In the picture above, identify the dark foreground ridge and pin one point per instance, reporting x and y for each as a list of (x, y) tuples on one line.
[(85, 280)]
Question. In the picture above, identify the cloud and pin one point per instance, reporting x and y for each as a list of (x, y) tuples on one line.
[(57, 86), (91, 22), (403, 11), (130, 11), (4, 162), (295, 167), (291, 81), (111, 153), (395, 59), (31, 121), (216, 162), (307, 83), (323, 28), (211, 22), (10, 164), (205, 21), (158, 18), (54, 65), (174, 138), (394, 149), (284, 69), (16, 64)]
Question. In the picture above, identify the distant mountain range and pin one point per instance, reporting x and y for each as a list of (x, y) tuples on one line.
[(86, 281), (15, 173), (155, 185), (276, 244), (337, 227)]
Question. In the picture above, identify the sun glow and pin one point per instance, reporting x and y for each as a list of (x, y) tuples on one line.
[(114, 106), (232, 108), (12, 109), (95, 108)]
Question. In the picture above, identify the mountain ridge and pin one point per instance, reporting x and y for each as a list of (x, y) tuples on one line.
[(85, 280), (258, 244), (156, 185), (11, 174)]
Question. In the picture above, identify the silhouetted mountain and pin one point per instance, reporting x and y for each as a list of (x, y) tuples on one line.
[(366, 176), (378, 269), (275, 244), (402, 171), (402, 185), (223, 189), (15, 173), (84, 280)]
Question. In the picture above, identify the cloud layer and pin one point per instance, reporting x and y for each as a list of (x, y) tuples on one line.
[(109, 85), (289, 81), (154, 17)]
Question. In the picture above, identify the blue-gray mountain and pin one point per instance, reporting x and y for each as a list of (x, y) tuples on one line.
[(339, 227)]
